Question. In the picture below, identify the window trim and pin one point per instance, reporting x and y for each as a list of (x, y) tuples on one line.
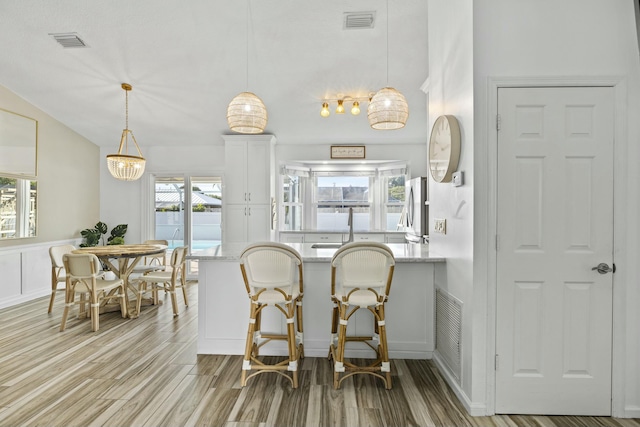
[(379, 173)]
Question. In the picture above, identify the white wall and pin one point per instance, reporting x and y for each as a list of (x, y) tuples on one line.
[(68, 178), (572, 39), (414, 154), (68, 201), (544, 39), (450, 89), (122, 201)]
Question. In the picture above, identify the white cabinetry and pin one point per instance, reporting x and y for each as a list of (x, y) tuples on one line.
[(323, 238), (292, 238), (337, 237), (394, 238), (248, 187), (366, 237)]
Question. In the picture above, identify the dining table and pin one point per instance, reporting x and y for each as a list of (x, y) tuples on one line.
[(121, 260)]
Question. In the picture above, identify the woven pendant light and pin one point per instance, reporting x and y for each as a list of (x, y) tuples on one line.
[(388, 108), (246, 113), (122, 165)]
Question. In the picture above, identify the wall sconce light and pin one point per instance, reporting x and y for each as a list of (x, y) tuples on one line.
[(340, 100)]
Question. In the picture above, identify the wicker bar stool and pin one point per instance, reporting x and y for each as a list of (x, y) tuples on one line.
[(361, 274), (272, 274)]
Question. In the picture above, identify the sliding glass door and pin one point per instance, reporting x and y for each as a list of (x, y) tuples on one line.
[(187, 218), (170, 217)]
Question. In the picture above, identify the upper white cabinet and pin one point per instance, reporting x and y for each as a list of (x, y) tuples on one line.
[(248, 169), (249, 185)]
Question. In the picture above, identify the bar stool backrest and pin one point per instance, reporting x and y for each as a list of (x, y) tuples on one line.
[(362, 265), (270, 265)]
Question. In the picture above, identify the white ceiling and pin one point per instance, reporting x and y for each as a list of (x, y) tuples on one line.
[(187, 59)]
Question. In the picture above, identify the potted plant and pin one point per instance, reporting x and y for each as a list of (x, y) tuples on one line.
[(93, 236)]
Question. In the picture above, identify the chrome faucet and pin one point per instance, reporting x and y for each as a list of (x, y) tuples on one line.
[(350, 223)]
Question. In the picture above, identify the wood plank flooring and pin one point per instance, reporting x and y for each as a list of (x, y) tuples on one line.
[(145, 372)]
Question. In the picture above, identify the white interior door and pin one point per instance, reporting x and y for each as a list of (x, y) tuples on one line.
[(555, 223)]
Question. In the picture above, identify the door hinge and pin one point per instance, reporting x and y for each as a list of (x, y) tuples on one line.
[(496, 362), (498, 121)]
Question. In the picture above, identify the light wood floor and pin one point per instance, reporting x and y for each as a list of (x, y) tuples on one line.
[(145, 372)]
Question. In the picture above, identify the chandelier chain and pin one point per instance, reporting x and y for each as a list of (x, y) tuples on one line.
[(126, 109)]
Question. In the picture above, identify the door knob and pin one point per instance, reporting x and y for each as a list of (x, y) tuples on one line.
[(603, 268)]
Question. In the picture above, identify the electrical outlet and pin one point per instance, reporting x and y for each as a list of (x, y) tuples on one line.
[(440, 226)]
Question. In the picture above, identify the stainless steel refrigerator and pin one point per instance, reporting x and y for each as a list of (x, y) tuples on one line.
[(417, 210)]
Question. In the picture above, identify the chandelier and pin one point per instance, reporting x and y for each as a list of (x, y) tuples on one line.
[(388, 109), (122, 165)]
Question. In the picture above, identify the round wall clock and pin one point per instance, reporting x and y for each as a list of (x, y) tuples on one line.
[(444, 148)]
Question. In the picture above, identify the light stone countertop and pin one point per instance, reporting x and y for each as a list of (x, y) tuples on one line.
[(403, 253)]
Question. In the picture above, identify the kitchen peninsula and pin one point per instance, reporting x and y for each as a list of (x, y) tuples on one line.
[(223, 305)]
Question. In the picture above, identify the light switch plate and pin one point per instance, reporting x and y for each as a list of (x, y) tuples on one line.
[(457, 179), (440, 226)]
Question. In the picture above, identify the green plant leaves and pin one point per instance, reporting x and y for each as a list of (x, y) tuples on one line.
[(115, 240), (92, 236), (101, 227)]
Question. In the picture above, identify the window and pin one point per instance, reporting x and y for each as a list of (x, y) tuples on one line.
[(17, 207), (335, 195), (394, 200), (318, 196), (292, 202)]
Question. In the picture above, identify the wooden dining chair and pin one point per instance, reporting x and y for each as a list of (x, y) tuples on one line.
[(155, 262), (170, 280), (361, 275), (85, 277), (58, 273)]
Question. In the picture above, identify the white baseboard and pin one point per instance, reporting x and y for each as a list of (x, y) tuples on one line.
[(474, 409), (19, 299), (631, 411)]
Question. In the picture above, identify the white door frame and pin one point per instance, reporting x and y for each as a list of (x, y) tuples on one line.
[(620, 240)]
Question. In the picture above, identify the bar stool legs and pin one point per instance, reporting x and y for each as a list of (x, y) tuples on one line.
[(380, 367), (252, 366), (361, 275)]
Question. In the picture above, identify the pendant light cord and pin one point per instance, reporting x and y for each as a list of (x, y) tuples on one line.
[(247, 51), (387, 42)]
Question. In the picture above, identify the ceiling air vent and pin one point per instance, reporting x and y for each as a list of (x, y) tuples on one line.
[(359, 20), (68, 40)]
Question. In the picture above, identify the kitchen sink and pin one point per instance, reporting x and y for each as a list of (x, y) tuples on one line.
[(326, 245)]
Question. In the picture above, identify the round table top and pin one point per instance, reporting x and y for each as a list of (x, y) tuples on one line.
[(122, 251)]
